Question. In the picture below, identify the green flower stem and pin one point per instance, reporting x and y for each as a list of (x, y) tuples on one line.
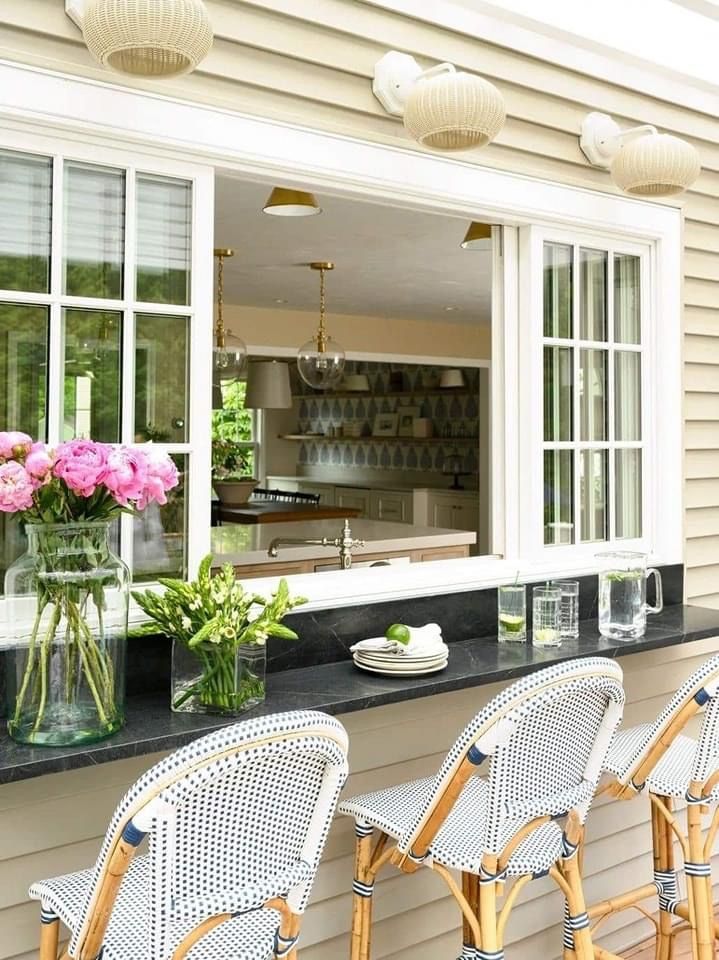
[(45, 648), (30, 659), (88, 652)]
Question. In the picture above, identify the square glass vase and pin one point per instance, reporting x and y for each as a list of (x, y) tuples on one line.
[(216, 680)]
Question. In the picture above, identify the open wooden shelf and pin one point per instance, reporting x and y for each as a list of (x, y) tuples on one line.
[(321, 438), (368, 395)]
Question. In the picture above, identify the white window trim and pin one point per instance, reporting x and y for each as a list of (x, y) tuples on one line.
[(62, 151), (269, 151)]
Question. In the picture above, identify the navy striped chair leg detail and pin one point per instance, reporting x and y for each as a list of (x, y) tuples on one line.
[(49, 934)]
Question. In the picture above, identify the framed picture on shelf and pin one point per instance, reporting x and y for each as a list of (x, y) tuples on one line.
[(385, 425), (407, 416)]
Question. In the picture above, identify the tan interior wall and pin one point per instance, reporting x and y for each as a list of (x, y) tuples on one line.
[(385, 335)]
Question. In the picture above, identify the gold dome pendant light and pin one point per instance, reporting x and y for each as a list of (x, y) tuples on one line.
[(291, 203), (320, 362), (476, 236), (228, 360), (147, 38)]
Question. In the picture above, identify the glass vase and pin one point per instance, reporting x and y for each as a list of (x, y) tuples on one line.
[(66, 600), (217, 678)]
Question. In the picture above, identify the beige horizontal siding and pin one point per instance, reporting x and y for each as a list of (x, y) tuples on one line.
[(54, 824)]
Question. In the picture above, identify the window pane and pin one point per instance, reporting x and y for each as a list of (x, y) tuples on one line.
[(25, 217), (593, 494), (627, 299), (94, 231), (557, 290), (160, 534), (92, 375), (593, 394), (558, 420), (593, 294), (164, 210), (161, 378), (628, 483), (627, 395), (558, 496), (23, 368)]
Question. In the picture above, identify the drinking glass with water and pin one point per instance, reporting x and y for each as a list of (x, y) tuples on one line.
[(623, 606), (568, 608)]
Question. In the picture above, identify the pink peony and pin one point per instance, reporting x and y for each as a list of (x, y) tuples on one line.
[(16, 488), (162, 476), (38, 463), (126, 475), (82, 464), (14, 444)]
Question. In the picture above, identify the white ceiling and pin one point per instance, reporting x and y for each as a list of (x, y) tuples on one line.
[(389, 262)]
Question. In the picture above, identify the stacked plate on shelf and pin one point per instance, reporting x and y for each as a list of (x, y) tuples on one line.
[(377, 655)]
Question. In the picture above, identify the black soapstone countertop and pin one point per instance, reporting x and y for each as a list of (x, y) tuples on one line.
[(339, 687)]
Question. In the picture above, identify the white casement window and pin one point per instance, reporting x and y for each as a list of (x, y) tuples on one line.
[(105, 301), (591, 426)]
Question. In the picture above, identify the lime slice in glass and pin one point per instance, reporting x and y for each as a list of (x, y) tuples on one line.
[(511, 622), (548, 635)]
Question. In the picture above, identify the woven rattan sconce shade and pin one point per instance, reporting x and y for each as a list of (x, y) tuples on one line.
[(452, 110), (655, 165), (148, 38)]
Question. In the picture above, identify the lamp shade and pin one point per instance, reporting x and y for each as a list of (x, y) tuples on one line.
[(148, 38), (477, 236), (268, 385), (655, 165), (453, 110), (451, 378), (291, 203)]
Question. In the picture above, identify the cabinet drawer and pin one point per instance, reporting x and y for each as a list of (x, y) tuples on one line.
[(325, 492), (353, 497), (392, 505)]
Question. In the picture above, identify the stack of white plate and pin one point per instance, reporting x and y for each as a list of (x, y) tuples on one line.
[(393, 664)]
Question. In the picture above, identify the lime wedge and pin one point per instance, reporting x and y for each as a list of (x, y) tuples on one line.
[(512, 623), (399, 633), (546, 636)]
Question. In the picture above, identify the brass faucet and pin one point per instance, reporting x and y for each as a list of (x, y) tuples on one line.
[(345, 543)]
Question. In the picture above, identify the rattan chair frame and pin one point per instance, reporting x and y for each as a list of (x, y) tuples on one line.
[(699, 691), (146, 809), (478, 896)]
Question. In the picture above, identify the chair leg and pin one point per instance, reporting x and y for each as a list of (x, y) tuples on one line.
[(470, 890), (569, 877), (361, 936), (698, 874), (49, 934), (666, 879), (286, 945), (491, 946)]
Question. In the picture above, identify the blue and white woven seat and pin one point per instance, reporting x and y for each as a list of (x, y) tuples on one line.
[(544, 739), (668, 765), (236, 823)]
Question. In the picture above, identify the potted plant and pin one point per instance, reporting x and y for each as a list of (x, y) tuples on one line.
[(218, 633), (230, 479)]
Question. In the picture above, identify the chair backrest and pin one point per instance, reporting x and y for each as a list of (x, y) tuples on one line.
[(699, 690), (235, 818), (546, 737)]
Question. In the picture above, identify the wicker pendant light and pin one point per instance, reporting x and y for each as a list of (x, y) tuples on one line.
[(448, 109), (655, 165), (148, 38)]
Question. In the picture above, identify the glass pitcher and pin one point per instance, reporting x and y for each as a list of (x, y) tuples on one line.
[(623, 606)]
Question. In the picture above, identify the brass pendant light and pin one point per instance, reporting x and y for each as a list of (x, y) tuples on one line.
[(321, 362), (291, 203), (475, 236), (228, 359)]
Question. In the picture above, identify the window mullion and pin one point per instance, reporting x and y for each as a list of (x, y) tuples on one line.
[(127, 366), (576, 403), (611, 412), (56, 345)]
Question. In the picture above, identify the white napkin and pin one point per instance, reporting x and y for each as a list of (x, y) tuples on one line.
[(423, 641)]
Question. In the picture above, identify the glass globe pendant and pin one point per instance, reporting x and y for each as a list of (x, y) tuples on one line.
[(321, 362), (229, 354)]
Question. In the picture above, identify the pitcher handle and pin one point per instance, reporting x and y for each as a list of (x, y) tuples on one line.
[(660, 593)]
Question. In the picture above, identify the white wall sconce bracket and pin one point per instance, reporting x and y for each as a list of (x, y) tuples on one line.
[(75, 9), (394, 77), (602, 138)]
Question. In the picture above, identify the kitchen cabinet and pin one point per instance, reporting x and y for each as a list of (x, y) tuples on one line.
[(394, 505), (443, 508), (358, 498)]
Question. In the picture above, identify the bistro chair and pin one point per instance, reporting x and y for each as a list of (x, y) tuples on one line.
[(545, 739), (236, 823), (671, 766), (284, 496)]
